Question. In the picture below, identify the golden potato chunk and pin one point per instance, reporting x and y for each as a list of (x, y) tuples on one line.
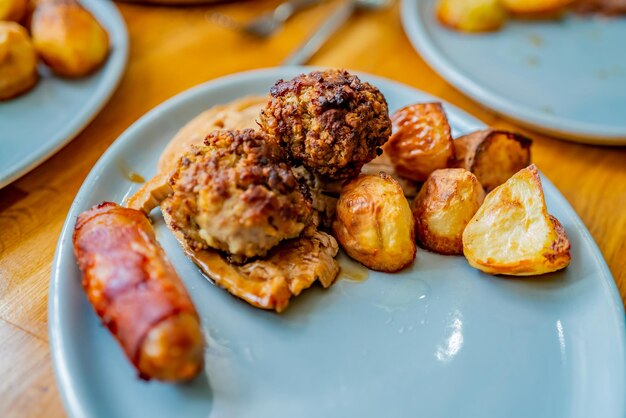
[(493, 156), (374, 224), (535, 8), (512, 232), (13, 10), (471, 15), (68, 38), (18, 61), (443, 208), (421, 141)]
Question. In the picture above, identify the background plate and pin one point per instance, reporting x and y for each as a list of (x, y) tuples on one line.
[(37, 124), (437, 340), (565, 78)]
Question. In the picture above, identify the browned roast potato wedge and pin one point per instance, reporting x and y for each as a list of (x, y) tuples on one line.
[(421, 141), (492, 155), (512, 232), (443, 208), (471, 15), (68, 38), (535, 8), (374, 224)]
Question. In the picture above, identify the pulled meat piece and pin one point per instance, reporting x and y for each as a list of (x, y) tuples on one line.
[(329, 121), (269, 283), (236, 194)]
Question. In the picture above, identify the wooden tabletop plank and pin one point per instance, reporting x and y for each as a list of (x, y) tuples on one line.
[(173, 49)]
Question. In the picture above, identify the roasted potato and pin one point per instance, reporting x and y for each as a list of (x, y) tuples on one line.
[(535, 8), (374, 224), (512, 232), (13, 10), (444, 206), (493, 156), (68, 38), (421, 141), (471, 15), (18, 61)]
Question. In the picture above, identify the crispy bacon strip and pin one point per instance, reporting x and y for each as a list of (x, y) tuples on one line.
[(136, 292)]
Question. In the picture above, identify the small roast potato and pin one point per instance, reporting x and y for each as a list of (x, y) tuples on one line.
[(374, 224), (68, 38), (421, 141), (471, 15), (493, 156), (512, 232), (535, 8), (444, 206), (18, 61), (13, 10)]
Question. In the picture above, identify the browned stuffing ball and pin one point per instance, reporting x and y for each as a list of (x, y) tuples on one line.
[(329, 121), (235, 193)]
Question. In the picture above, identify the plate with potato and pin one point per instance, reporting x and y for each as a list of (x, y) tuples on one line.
[(316, 242), (60, 61), (553, 66)]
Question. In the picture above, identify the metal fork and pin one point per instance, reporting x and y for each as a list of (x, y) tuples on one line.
[(266, 24)]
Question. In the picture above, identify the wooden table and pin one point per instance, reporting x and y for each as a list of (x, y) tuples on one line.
[(173, 49)]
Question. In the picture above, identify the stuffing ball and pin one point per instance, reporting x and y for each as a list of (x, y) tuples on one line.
[(328, 121), (235, 193)]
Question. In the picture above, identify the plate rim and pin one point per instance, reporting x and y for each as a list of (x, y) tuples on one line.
[(562, 128), (69, 397), (117, 60)]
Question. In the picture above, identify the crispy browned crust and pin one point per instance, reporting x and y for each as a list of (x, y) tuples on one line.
[(240, 180), (560, 249), (492, 155), (329, 121), (129, 281), (443, 207), (421, 142)]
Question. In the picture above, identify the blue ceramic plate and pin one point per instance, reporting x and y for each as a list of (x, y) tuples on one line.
[(437, 340), (37, 124), (566, 78)]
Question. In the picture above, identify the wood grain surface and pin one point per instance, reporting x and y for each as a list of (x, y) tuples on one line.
[(172, 49)]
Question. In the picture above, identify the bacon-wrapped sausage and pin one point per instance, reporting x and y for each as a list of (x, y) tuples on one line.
[(136, 292)]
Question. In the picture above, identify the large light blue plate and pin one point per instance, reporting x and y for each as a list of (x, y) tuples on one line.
[(437, 340), (37, 124), (566, 78)]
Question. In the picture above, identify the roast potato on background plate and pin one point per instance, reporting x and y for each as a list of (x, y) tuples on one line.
[(471, 15), (68, 38)]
